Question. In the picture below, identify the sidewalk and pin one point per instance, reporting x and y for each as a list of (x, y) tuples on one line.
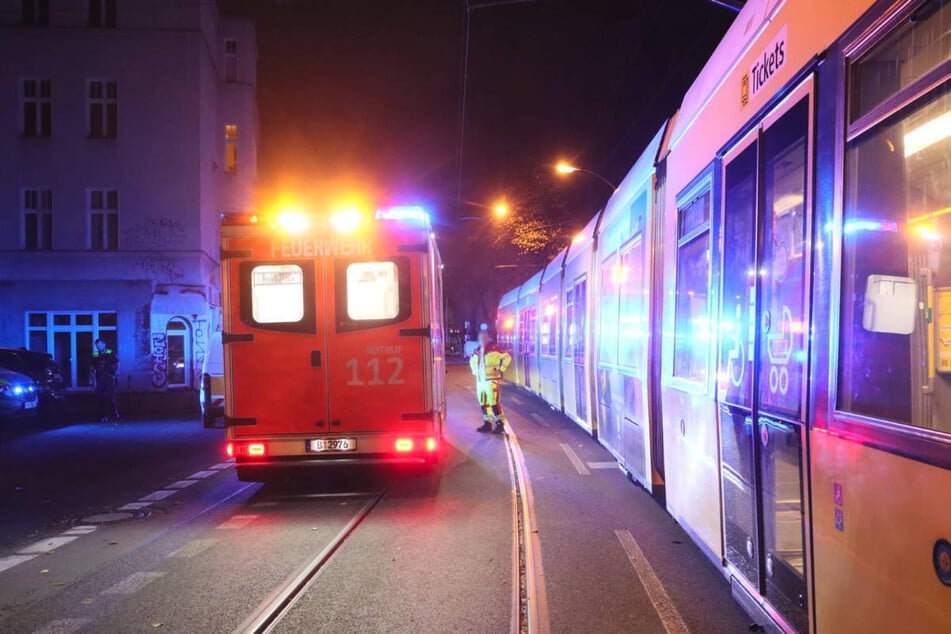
[(613, 559)]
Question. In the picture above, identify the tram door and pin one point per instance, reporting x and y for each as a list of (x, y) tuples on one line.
[(763, 354)]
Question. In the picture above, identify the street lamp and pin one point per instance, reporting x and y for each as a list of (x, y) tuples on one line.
[(566, 168), (500, 210)]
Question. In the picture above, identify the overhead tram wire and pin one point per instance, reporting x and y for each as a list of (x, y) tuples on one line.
[(464, 80)]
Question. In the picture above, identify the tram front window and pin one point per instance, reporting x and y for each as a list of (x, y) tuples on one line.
[(896, 353)]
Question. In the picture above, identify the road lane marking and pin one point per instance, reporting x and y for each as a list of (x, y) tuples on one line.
[(198, 475), (575, 460), (222, 465), (46, 545), (181, 484), (538, 418), (14, 560), (193, 548), (80, 530), (517, 400), (155, 496), (63, 626), (665, 608), (134, 582), (603, 465), (133, 506), (237, 521)]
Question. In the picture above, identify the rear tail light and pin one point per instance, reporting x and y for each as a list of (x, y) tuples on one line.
[(229, 449), (256, 449), (404, 444), (430, 444)]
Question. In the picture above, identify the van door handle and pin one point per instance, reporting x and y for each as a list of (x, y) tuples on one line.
[(315, 359)]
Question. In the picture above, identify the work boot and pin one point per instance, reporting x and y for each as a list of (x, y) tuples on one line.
[(499, 428), (486, 427)]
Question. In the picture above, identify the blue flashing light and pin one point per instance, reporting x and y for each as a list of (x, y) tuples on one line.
[(414, 213), (859, 224), (18, 390)]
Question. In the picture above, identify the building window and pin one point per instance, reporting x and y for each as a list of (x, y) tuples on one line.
[(231, 149), (103, 219), (36, 13), (70, 338), (692, 305), (103, 107), (37, 219), (35, 108), (231, 60), (102, 13)]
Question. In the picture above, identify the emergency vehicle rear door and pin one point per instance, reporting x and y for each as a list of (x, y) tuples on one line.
[(275, 341), (378, 359)]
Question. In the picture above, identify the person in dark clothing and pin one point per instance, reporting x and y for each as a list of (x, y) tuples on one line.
[(105, 369)]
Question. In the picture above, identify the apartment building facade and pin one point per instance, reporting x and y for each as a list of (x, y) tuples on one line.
[(127, 127)]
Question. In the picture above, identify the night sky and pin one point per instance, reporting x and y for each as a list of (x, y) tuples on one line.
[(363, 97)]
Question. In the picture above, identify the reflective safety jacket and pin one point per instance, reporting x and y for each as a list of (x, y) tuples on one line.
[(488, 364)]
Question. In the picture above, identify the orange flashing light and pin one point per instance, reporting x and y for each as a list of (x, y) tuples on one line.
[(509, 323), (404, 444), (430, 444)]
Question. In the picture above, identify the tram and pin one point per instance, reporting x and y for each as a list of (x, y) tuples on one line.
[(333, 339), (758, 323)]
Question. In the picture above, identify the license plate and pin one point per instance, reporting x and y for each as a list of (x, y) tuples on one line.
[(332, 444), (29, 405)]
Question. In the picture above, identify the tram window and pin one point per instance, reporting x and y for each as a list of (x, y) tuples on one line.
[(371, 293), (897, 232), (570, 333), (783, 300), (611, 278), (737, 319), (917, 47), (631, 318), (691, 309), (277, 294), (580, 323), (549, 333)]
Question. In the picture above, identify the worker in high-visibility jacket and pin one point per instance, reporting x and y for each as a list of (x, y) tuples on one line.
[(488, 363)]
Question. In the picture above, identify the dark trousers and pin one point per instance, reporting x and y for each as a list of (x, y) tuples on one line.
[(106, 401)]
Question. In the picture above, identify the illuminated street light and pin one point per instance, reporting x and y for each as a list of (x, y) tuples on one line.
[(500, 210), (566, 168)]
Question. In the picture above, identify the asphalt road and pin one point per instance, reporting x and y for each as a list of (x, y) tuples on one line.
[(198, 551)]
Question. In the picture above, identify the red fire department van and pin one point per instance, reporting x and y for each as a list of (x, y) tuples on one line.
[(332, 330)]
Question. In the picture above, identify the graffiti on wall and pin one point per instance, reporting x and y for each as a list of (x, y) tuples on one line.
[(200, 330), (156, 232), (160, 269), (159, 359)]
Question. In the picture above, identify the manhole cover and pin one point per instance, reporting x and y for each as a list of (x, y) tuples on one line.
[(107, 518)]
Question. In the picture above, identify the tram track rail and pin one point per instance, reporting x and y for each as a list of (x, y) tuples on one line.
[(529, 599), (279, 603)]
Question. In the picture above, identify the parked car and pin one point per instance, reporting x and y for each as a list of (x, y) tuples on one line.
[(212, 394), (39, 366), (17, 395)]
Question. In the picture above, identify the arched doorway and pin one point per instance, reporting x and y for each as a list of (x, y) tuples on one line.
[(179, 346)]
